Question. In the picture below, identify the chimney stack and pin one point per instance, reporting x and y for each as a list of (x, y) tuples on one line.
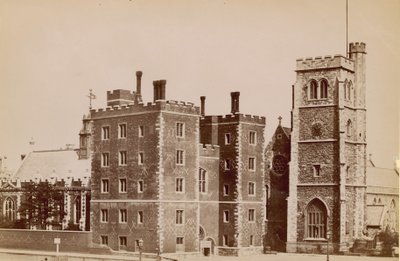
[(159, 90), (139, 82), (163, 84), (235, 102), (202, 106)]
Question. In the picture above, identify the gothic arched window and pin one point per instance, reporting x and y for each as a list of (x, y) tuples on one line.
[(349, 127), (316, 219), (324, 89), (9, 209), (349, 87), (78, 209), (313, 90), (202, 181)]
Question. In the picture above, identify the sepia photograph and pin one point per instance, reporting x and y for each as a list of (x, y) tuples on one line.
[(199, 130)]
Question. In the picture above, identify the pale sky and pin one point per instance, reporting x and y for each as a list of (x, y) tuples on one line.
[(53, 52)]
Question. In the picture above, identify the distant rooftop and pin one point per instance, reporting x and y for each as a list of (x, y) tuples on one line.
[(48, 164)]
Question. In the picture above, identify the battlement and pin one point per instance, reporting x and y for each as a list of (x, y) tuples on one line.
[(159, 105), (237, 117), (357, 47), (70, 182), (326, 62), (208, 150)]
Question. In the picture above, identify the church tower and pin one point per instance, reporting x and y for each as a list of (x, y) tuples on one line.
[(327, 181)]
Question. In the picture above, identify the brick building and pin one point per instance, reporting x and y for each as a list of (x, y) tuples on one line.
[(179, 180)]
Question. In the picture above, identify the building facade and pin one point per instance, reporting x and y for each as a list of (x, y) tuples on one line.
[(160, 169)]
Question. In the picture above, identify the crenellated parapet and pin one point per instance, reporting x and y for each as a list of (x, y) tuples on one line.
[(66, 184), (323, 63), (229, 118), (209, 150), (132, 108)]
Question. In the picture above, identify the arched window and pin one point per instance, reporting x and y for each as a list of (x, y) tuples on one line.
[(78, 209), (316, 219), (202, 181), (324, 89), (313, 90), (349, 87), (349, 127), (345, 89), (9, 209)]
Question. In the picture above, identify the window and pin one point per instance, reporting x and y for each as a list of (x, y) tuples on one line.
[(179, 240), (123, 216), (226, 189), (251, 240), (252, 137), (266, 201), (225, 240), (349, 127), (317, 170), (104, 215), (227, 164), (316, 219), (123, 241), (141, 131), (324, 89), (252, 189), (252, 164), (122, 158), (202, 181), (226, 216), (140, 186), (179, 157), (105, 133), (313, 90), (227, 138), (105, 186), (122, 185), (179, 185), (141, 158), (104, 240), (140, 217), (180, 129), (122, 131), (349, 87), (251, 215), (179, 217), (9, 208), (105, 159)]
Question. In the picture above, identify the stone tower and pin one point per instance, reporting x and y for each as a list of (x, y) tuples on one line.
[(328, 152)]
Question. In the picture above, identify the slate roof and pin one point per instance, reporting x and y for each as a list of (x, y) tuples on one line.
[(375, 215), (59, 164), (382, 177)]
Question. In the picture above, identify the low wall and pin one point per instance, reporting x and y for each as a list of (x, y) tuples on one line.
[(71, 241)]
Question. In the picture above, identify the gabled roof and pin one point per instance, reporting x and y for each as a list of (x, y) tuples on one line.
[(382, 177), (58, 164), (287, 131)]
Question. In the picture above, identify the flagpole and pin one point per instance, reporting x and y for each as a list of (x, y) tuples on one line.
[(347, 28)]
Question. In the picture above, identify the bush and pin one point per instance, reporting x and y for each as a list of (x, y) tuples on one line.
[(389, 240)]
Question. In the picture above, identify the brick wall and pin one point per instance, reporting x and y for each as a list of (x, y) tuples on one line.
[(71, 241)]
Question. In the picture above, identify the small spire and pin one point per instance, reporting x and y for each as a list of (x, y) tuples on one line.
[(280, 120), (91, 97)]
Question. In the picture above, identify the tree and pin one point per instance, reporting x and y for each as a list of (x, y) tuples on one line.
[(42, 203)]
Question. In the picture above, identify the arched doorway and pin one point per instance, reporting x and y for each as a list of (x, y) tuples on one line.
[(207, 244)]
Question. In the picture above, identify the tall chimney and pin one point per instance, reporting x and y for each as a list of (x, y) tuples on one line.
[(156, 87), (139, 82), (163, 84), (202, 106), (235, 102)]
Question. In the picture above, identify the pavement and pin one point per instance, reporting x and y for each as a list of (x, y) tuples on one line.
[(32, 255), (291, 256)]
